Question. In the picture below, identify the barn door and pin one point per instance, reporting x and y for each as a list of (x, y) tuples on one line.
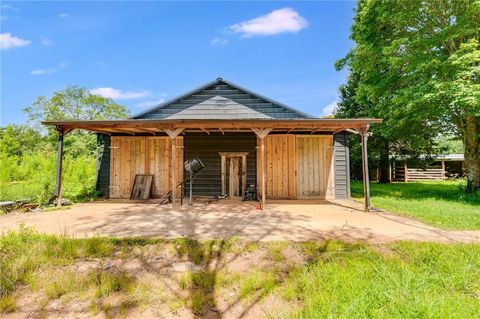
[(131, 155), (280, 157), (315, 166)]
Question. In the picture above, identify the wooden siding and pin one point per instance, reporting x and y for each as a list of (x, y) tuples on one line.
[(297, 166), (103, 165), (280, 159), (131, 155), (342, 166), (315, 167), (226, 90), (207, 147)]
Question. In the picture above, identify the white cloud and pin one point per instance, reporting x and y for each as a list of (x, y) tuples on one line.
[(218, 41), (7, 41), (330, 108), (119, 94), (63, 15), (45, 41), (278, 21), (150, 103), (102, 64), (51, 70)]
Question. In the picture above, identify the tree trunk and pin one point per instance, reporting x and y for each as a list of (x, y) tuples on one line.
[(384, 163), (472, 153)]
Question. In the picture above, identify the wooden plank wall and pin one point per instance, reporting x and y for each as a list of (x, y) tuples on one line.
[(280, 159), (131, 155), (297, 166), (315, 167)]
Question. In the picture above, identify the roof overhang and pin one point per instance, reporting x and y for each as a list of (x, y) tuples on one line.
[(134, 126)]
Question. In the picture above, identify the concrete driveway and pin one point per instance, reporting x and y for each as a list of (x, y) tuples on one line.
[(292, 220)]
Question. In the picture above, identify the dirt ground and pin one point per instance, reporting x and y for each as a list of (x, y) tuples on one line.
[(283, 220)]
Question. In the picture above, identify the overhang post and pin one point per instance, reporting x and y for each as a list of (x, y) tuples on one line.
[(366, 179), (261, 133), (58, 180), (173, 170)]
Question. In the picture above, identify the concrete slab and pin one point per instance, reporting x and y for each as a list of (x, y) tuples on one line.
[(283, 220)]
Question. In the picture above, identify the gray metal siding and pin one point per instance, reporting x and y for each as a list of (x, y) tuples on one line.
[(223, 89), (341, 166), (103, 165), (206, 147)]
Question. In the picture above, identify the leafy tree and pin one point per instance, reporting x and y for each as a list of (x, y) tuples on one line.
[(73, 103), (16, 140), (417, 65)]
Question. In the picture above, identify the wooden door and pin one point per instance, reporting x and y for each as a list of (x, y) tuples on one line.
[(233, 176), (280, 162), (315, 166), (131, 155)]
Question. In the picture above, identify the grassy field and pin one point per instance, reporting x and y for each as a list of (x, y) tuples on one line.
[(44, 274), (441, 204)]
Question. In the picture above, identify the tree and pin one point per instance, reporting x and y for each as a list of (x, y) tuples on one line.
[(73, 103), (16, 140), (417, 65)]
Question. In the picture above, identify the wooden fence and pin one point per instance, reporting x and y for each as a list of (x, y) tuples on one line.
[(406, 174)]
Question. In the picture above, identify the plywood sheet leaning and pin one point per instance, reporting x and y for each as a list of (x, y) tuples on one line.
[(142, 186)]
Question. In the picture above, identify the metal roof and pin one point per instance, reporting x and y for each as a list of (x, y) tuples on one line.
[(218, 107), (222, 88)]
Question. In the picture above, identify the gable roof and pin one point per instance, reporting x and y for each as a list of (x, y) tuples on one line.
[(218, 107), (221, 99)]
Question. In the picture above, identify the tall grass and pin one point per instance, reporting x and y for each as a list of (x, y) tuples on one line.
[(33, 176)]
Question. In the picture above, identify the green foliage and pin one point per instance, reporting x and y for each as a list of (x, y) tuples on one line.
[(33, 176), (441, 204), (416, 65), (28, 154)]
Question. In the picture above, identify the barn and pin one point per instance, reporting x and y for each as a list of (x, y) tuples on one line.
[(243, 139)]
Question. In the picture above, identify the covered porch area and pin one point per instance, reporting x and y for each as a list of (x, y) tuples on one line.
[(169, 136)]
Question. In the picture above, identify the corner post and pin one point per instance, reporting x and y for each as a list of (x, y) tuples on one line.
[(173, 169), (58, 180), (261, 133), (366, 178)]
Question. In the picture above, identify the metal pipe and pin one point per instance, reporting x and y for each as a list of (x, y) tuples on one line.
[(58, 181)]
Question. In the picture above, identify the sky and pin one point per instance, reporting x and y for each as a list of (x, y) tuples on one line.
[(143, 53)]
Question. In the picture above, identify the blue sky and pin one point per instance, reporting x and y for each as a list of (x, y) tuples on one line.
[(142, 53)]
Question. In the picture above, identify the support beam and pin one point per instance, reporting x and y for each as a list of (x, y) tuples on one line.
[(58, 181), (173, 168), (366, 178), (261, 134)]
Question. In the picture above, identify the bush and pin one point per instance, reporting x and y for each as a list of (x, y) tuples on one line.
[(33, 176)]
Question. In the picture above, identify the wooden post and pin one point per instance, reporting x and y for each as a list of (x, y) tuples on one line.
[(405, 167), (261, 133), (443, 170), (173, 169), (366, 180), (58, 181)]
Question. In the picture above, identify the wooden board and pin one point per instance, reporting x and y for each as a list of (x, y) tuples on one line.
[(315, 166), (280, 160), (132, 155), (142, 187)]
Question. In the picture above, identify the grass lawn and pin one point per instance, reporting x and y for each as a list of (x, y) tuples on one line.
[(44, 275), (441, 204)]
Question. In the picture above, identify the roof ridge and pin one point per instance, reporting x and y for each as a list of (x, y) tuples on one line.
[(233, 85)]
